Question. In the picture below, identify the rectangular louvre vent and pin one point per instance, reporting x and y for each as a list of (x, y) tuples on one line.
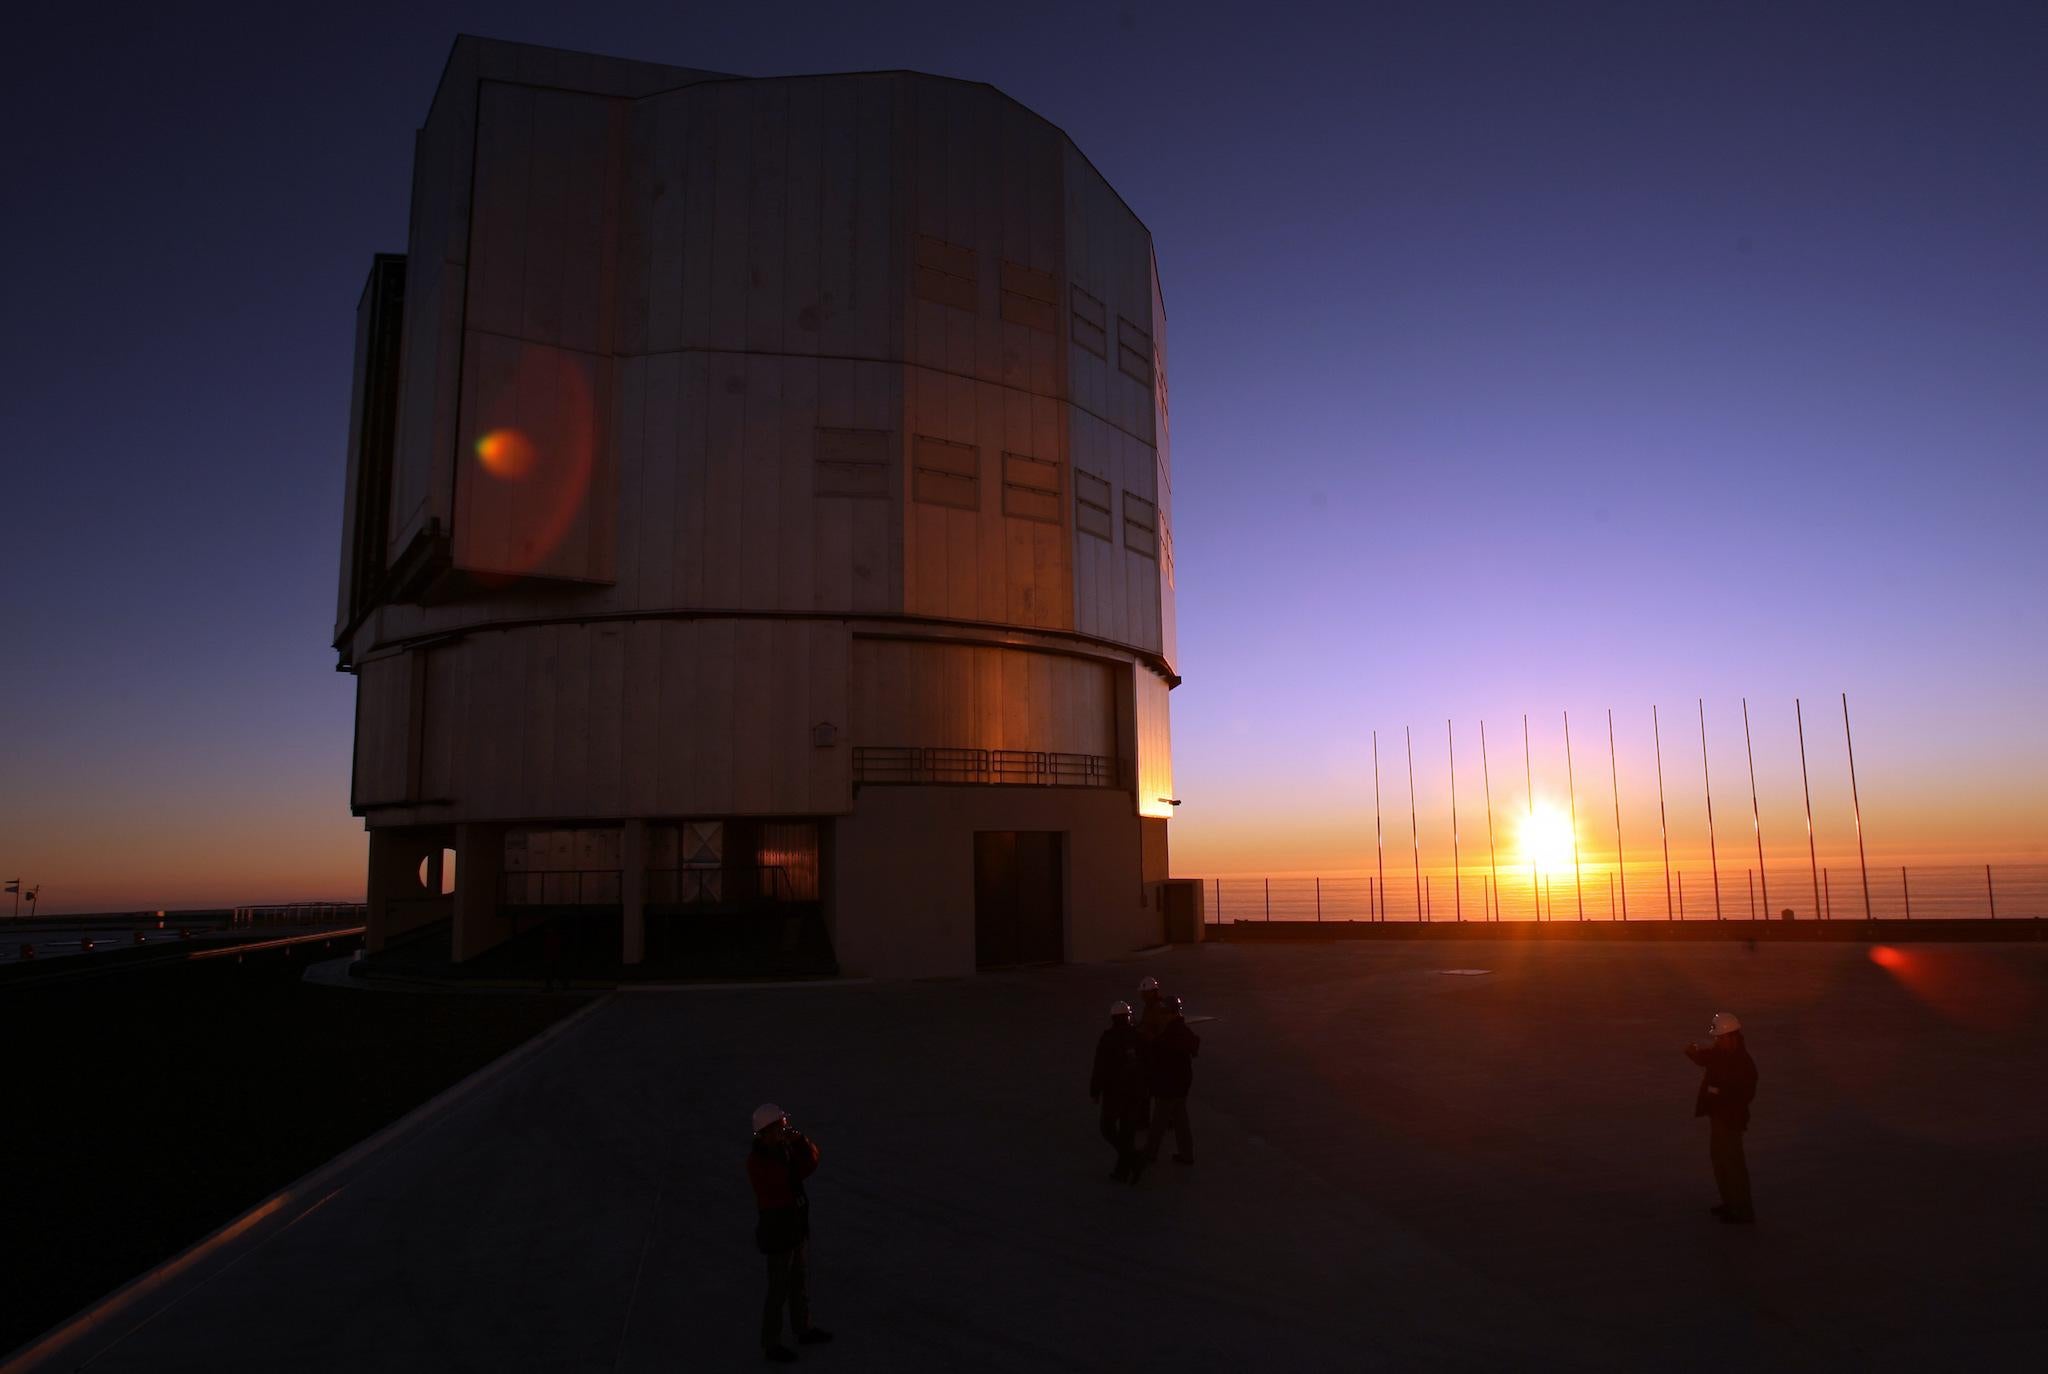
[(851, 462), (944, 272), (1141, 526), (948, 474), (1028, 297), (1091, 323), (1091, 506), (1133, 351), (1031, 488)]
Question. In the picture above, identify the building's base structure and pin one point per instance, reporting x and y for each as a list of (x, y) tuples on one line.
[(918, 881)]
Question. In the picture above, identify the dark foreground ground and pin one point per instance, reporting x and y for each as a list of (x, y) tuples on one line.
[(146, 1107), (1399, 1168)]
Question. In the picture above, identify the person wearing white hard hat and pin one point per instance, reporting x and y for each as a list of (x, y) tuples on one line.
[(781, 1159), (1170, 1072), (1117, 1085), (1152, 1015), (1726, 1090)]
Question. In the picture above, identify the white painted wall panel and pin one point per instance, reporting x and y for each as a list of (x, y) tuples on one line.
[(936, 694)]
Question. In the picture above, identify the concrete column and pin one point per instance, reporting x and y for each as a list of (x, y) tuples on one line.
[(388, 856), (633, 893), (479, 865)]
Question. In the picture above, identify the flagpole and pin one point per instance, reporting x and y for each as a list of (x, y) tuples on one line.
[(1379, 833), (1663, 828), (1756, 816), (1528, 781), (1572, 790), (1807, 790), (1858, 801), (1414, 833), (1457, 872), (1614, 781), (1707, 777), (1492, 856)]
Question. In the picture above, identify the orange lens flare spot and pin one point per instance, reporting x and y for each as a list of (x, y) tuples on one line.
[(506, 454), (1884, 956)]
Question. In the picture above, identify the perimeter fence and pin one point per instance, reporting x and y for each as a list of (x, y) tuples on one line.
[(1604, 892)]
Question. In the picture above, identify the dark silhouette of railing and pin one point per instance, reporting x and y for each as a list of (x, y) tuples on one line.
[(719, 885), (561, 887), (993, 767), (710, 885), (1915, 892)]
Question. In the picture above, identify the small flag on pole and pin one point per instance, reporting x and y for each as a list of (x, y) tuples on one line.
[(14, 884)]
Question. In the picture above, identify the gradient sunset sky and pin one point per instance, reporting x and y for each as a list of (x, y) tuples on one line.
[(1526, 357)]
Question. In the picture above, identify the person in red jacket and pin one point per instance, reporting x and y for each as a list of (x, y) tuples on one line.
[(1726, 1090), (781, 1159)]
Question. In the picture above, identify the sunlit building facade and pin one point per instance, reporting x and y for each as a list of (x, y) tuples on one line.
[(758, 527)]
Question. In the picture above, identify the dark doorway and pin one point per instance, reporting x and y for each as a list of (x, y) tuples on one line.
[(1017, 908)]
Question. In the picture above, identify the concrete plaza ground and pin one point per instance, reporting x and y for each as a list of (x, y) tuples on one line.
[(1399, 1168)]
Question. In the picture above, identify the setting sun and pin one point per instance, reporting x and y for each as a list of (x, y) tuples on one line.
[(1546, 839)]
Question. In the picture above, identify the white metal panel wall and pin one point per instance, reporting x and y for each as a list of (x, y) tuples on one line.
[(988, 563), (383, 730), (928, 693), (1169, 644), (1155, 744), (636, 718), (437, 250), (1112, 418)]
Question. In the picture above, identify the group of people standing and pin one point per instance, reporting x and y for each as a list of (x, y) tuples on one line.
[(1144, 1067), (1142, 1075)]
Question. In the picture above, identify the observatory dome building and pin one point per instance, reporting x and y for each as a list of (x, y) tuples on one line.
[(758, 533)]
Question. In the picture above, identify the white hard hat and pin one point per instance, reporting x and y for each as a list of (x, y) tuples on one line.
[(1119, 1008), (1148, 984), (1724, 1022), (766, 1115)]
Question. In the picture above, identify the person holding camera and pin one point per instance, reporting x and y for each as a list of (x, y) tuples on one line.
[(1118, 1085), (781, 1159), (1726, 1090)]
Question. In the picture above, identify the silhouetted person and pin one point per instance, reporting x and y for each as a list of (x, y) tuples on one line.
[(1118, 1084), (1152, 1013), (781, 1159), (1170, 1067), (1724, 1097)]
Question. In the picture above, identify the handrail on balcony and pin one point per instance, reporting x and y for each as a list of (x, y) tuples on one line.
[(994, 767)]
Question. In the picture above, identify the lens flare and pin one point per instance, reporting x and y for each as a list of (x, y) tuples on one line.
[(1968, 988), (506, 454)]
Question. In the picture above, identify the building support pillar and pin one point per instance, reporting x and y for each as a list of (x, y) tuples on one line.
[(633, 893), (479, 863), (392, 857)]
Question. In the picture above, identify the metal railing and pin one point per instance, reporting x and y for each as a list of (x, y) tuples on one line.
[(995, 767), (561, 887), (301, 914), (1637, 892), (716, 885)]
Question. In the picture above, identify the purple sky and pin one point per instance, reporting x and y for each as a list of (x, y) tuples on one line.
[(1525, 357)]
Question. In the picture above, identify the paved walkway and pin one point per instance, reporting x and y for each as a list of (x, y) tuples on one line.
[(1399, 1169)]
